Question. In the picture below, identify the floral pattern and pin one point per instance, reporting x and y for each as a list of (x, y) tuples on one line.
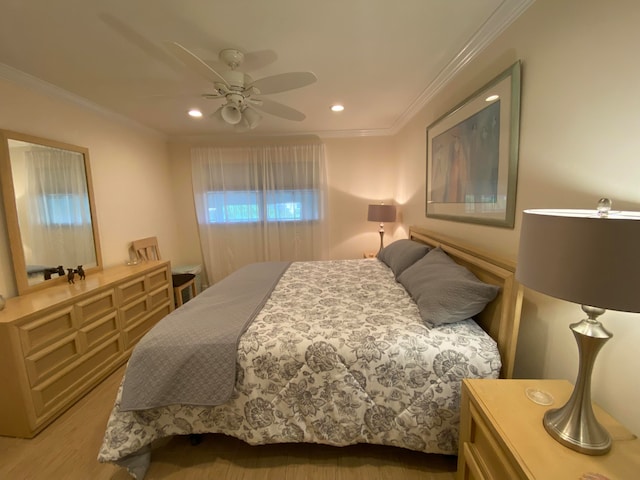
[(338, 355)]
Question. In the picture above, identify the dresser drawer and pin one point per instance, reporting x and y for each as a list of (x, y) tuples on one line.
[(94, 307), (160, 296), (471, 468), (131, 290), (135, 332), (73, 380), (45, 330), (485, 450), (51, 359), (162, 276), (134, 311), (94, 334)]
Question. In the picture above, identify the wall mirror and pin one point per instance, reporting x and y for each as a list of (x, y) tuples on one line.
[(50, 210)]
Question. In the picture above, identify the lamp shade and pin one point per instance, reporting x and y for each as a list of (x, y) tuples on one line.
[(251, 117), (382, 213), (231, 114), (581, 257)]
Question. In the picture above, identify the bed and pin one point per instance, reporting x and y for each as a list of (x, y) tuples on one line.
[(338, 352)]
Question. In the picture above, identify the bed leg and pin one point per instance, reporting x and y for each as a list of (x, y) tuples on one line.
[(195, 439)]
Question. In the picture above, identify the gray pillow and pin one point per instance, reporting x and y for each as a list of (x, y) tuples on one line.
[(444, 291), (401, 254)]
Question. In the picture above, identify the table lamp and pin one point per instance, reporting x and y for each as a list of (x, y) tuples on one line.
[(381, 213), (592, 258)]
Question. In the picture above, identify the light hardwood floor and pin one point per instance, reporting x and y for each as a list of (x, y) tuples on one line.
[(68, 448)]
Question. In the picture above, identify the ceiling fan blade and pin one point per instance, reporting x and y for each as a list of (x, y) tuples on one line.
[(284, 81), (279, 110), (193, 61), (259, 59)]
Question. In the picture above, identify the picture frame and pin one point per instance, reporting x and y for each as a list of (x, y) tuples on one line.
[(472, 156)]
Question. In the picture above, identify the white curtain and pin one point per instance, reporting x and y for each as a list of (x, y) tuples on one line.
[(57, 229), (259, 204)]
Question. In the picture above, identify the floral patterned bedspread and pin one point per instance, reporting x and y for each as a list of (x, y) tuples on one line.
[(338, 355)]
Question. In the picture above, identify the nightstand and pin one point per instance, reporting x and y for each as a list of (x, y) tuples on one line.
[(502, 437)]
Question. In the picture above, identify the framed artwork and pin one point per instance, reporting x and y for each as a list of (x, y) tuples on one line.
[(472, 156)]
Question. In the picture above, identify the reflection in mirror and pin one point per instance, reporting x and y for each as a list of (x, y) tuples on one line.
[(51, 198)]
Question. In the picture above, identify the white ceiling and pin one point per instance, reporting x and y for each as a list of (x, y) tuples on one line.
[(383, 59)]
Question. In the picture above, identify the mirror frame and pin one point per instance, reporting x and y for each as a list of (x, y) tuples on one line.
[(11, 211)]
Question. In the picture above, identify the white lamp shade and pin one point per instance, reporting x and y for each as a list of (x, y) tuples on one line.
[(381, 213), (231, 114), (578, 256), (251, 117)]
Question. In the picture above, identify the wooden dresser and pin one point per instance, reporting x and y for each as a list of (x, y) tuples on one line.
[(58, 343), (502, 437)]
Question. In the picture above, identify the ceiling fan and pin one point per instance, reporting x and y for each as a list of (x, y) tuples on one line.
[(242, 106)]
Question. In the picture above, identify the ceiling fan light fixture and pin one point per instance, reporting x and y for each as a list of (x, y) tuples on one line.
[(238, 89), (231, 114), (251, 117)]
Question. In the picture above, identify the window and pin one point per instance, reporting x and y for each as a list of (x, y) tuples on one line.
[(249, 206), (64, 209), (259, 203)]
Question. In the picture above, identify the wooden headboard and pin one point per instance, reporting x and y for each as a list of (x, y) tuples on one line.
[(501, 318)]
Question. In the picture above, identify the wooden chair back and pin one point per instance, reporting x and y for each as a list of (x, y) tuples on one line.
[(146, 248)]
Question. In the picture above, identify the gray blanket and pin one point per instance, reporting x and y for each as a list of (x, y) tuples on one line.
[(189, 357)]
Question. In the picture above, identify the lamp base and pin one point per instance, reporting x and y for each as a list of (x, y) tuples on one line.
[(381, 231), (381, 242), (574, 425), (589, 438)]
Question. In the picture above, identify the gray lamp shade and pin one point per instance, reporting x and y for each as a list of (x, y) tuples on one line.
[(578, 256), (382, 213)]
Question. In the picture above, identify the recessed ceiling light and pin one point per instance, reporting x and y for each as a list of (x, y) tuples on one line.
[(491, 98), (194, 112), (337, 108)]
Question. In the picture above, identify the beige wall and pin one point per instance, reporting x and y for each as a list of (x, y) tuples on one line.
[(360, 171), (579, 141), (130, 171)]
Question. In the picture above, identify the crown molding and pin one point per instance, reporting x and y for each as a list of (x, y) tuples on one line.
[(502, 17), (23, 79)]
